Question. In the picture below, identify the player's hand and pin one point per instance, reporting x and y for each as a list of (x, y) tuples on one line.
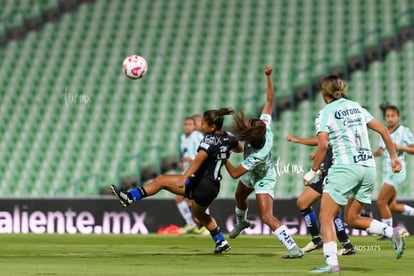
[(268, 70), (396, 165), (309, 177), (291, 138)]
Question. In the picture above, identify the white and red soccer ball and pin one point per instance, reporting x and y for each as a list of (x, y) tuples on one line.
[(134, 67)]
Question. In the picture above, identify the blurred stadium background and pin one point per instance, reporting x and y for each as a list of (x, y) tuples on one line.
[(71, 124)]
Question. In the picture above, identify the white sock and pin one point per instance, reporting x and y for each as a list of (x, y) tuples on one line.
[(387, 221), (185, 212), (380, 228), (240, 214), (330, 251), (283, 235), (408, 210)]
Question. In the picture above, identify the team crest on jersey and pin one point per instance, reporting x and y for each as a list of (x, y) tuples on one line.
[(212, 140)]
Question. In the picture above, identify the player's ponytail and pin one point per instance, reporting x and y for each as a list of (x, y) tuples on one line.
[(333, 86), (252, 131), (216, 117)]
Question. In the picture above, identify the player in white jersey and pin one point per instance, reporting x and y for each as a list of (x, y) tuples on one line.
[(189, 142), (312, 194), (404, 143), (257, 172), (350, 181)]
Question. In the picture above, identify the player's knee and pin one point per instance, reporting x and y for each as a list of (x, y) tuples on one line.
[(301, 203), (352, 219)]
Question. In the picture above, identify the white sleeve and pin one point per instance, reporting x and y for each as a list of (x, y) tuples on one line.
[(266, 118)]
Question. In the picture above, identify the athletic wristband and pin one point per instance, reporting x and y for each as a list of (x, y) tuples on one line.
[(310, 175)]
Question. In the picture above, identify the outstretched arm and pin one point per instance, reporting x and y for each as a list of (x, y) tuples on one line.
[(319, 156), (408, 149), (235, 172), (268, 108), (194, 165), (238, 148), (313, 141)]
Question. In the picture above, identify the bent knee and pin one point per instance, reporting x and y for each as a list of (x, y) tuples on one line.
[(302, 204)]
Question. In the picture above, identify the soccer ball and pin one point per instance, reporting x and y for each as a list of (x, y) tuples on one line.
[(134, 67)]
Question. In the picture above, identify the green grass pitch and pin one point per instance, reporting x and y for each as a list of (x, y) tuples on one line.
[(30, 254)]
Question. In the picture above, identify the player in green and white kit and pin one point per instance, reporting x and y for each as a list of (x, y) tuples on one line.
[(350, 181), (189, 142), (257, 172), (404, 143)]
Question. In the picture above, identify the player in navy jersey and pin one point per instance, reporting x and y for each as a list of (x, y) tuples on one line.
[(201, 181), (312, 194)]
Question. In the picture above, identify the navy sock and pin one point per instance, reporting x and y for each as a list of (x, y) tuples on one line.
[(311, 221), (340, 230), (217, 235), (137, 194)]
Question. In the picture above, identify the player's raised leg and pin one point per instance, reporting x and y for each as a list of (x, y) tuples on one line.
[(166, 182)]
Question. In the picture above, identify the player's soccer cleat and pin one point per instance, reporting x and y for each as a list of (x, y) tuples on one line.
[(188, 228), (238, 227), (122, 196), (313, 246), (201, 231), (221, 247), (293, 253), (326, 269), (346, 251), (398, 242)]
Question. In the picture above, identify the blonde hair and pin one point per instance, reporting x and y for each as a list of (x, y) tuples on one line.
[(333, 86)]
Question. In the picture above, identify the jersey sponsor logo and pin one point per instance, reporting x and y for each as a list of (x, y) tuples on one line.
[(348, 122), (212, 140), (362, 157), (204, 145), (341, 114)]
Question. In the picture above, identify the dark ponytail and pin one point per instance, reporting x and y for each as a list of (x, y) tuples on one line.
[(252, 131), (216, 117)]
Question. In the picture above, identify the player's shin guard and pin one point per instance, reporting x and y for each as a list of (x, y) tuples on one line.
[(309, 215), (340, 230)]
